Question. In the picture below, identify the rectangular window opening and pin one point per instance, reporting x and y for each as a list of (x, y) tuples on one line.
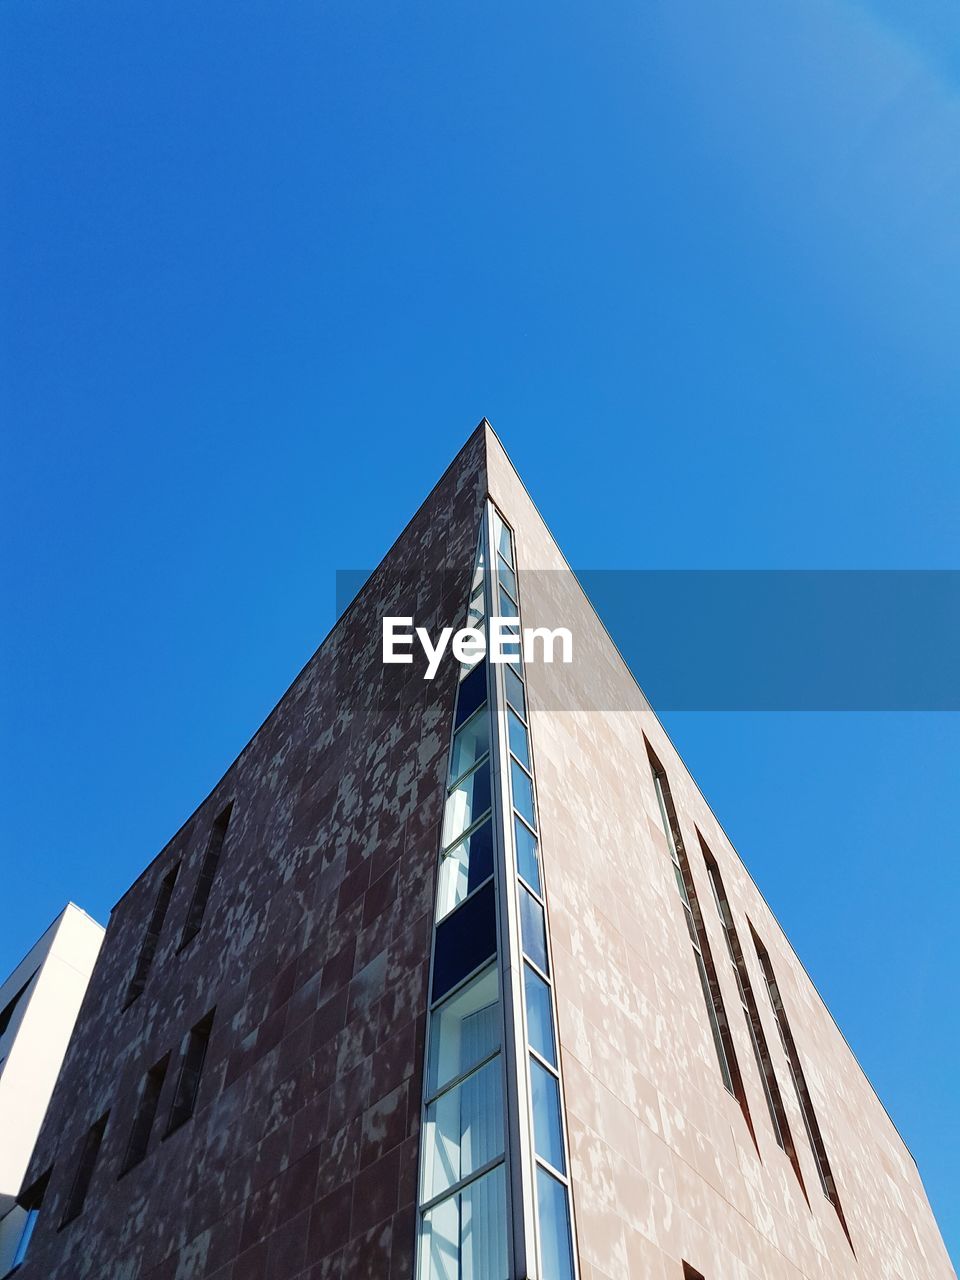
[(205, 877), (86, 1164), (148, 947), (146, 1112), (188, 1082)]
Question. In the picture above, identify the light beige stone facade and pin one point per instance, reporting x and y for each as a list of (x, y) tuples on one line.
[(665, 1169)]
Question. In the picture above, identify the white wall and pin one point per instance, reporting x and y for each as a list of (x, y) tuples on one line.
[(33, 1048)]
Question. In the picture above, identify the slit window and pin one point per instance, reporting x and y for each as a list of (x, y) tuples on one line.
[(148, 948), (205, 877), (191, 1069), (703, 958), (810, 1122), (758, 1039), (146, 1112), (86, 1164)]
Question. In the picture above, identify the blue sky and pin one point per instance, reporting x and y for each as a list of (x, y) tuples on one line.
[(266, 265)]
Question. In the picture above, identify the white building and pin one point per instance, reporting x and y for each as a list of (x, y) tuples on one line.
[(39, 1003)]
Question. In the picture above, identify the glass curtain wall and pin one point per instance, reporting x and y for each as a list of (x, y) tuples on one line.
[(494, 1184), (546, 1129), (463, 1233)]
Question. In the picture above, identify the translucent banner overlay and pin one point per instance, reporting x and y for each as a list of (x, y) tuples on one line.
[(742, 640)]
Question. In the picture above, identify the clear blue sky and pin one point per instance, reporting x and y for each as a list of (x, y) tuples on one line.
[(264, 267)]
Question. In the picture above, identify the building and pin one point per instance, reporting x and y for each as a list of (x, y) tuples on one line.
[(460, 978), (39, 1003)]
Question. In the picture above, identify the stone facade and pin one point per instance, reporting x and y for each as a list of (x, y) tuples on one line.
[(664, 1168), (300, 1159), (301, 1156)]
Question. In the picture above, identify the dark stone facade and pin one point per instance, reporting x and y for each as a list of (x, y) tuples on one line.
[(300, 1159)]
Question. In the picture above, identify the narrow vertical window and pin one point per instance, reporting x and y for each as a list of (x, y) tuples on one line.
[(690, 1273), (463, 1228), (758, 1039), (86, 1163), (205, 877), (146, 1112), (148, 947), (191, 1067), (703, 958), (554, 1226), (824, 1172)]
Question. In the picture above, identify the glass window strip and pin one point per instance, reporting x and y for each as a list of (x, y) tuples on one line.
[(553, 1248), (481, 1190)]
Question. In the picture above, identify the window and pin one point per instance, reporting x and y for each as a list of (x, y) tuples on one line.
[(188, 1082), (758, 1039), (464, 867), (472, 694), (547, 1134), (527, 864), (464, 939), (800, 1084), (147, 1104), (86, 1163), (703, 958), (462, 1189), (690, 1274), (466, 1233), (555, 1248), (467, 802), (208, 869), (471, 743), (533, 930), (148, 947), (539, 1015)]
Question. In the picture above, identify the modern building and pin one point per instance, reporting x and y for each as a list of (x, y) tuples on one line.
[(39, 1003), (460, 979)]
